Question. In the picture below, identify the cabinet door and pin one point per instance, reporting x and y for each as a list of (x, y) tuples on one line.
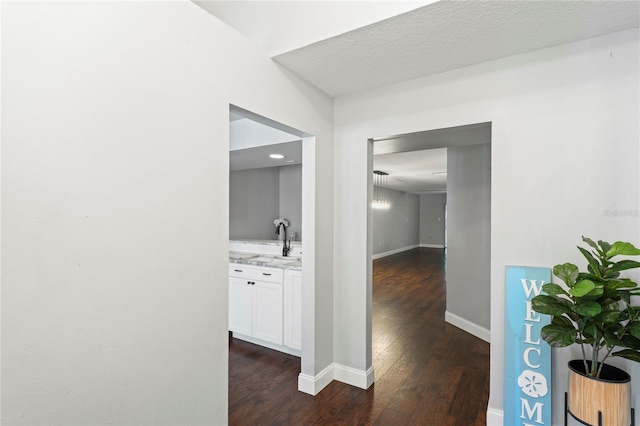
[(293, 309), (267, 312), (240, 306)]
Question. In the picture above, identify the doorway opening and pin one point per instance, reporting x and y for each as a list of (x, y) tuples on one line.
[(272, 178), (459, 219)]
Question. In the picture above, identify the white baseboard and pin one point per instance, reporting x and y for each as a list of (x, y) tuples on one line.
[(351, 376), (495, 417), (259, 342), (389, 253), (468, 326), (313, 385), (432, 245)]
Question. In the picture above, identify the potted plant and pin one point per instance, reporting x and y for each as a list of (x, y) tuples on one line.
[(594, 309)]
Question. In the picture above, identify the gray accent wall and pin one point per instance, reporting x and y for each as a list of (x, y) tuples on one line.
[(258, 196), (291, 198), (254, 203), (399, 226), (432, 219), (469, 233)]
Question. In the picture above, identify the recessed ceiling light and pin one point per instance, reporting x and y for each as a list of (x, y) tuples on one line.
[(276, 156), (439, 173), (290, 161)]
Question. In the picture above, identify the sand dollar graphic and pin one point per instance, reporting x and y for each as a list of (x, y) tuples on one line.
[(533, 384)]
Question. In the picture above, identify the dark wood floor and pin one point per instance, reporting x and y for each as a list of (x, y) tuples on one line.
[(427, 371)]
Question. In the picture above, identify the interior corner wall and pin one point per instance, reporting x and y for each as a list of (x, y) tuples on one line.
[(115, 215), (469, 234), (432, 220), (254, 202), (397, 228), (558, 115)]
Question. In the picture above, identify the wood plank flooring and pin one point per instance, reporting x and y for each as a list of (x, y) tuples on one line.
[(427, 371)]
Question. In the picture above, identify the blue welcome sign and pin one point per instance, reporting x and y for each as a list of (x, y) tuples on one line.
[(527, 358)]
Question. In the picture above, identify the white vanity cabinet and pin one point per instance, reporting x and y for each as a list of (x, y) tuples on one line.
[(293, 309), (256, 302)]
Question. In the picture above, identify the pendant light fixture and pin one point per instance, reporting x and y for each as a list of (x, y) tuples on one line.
[(380, 193)]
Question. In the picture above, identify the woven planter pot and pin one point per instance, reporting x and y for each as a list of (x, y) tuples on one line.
[(609, 394)]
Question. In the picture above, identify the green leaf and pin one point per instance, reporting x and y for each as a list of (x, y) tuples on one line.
[(595, 293), (581, 288), (593, 263), (628, 354), (611, 338), (621, 283), (567, 272), (630, 342), (625, 295), (608, 317), (588, 308), (634, 329), (562, 320), (589, 331), (605, 246), (586, 276), (591, 243), (550, 305), (553, 289), (558, 336), (623, 265), (620, 247)]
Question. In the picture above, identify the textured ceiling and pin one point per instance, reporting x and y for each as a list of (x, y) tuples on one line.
[(282, 26), (451, 34)]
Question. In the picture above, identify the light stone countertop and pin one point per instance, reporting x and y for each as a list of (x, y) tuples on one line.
[(293, 263), (265, 242)]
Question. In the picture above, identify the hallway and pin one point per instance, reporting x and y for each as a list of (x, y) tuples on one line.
[(427, 371)]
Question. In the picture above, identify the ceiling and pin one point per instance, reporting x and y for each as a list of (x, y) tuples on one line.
[(343, 50), (414, 171), (412, 159), (431, 39), (258, 157), (282, 26)]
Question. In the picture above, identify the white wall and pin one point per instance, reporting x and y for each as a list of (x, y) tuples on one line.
[(115, 209), (469, 235), (396, 228), (560, 116), (432, 219)]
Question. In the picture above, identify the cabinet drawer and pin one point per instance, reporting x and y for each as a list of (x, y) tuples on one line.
[(273, 275)]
